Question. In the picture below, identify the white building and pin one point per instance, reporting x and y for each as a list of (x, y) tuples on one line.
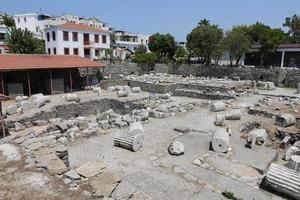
[(126, 43), (3, 32), (77, 39), (37, 23)]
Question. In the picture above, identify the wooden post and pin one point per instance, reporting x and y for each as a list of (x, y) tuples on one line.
[(2, 84), (2, 120), (51, 82), (71, 84), (87, 77), (28, 81)]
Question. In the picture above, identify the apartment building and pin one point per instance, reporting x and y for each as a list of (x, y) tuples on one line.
[(125, 43), (37, 23), (77, 39)]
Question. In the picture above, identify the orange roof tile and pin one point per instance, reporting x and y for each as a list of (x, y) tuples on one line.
[(80, 27), (40, 61)]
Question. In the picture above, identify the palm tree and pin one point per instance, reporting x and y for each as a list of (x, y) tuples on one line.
[(204, 22)]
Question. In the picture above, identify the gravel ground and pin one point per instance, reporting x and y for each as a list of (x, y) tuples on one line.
[(162, 176)]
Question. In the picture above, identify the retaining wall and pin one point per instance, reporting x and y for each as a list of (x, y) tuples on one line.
[(73, 110), (288, 77)]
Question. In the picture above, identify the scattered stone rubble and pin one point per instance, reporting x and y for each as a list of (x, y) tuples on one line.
[(196, 87), (23, 103), (47, 148)]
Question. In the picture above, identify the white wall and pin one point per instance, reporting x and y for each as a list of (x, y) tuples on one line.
[(60, 44), (31, 23)]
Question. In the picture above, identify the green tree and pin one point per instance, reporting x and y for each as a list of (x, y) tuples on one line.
[(8, 21), (204, 40), (163, 45), (266, 38), (293, 24), (237, 42), (218, 52), (141, 49), (181, 55), (22, 42), (146, 61)]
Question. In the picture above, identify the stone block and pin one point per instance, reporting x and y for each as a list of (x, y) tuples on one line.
[(176, 148), (136, 90), (72, 97), (122, 93), (90, 169), (12, 109)]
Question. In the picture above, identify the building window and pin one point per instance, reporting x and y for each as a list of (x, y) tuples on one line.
[(49, 51), (75, 51), (53, 35), (25, 19), (142, 41), (96, 38), (66, 35), (2, 36), (54, 51), (48, 37), (66, 51), (104, 39), (18, 20), (86, 39), (75, 36)]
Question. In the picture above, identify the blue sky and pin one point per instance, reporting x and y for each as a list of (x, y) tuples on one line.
[(177, 17)]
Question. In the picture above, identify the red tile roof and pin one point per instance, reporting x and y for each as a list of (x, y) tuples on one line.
[(80, 27), (39, 61)]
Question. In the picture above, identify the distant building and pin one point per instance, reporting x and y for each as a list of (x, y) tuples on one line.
[(286, 55), (126, 43), (3, 32), (182, 44), (37, 23), (77, 39)]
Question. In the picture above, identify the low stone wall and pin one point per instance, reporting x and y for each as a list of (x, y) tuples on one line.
[(15, 89), (69, 111), (200, 94), (114, 70), (151, 87), (280, 76)]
